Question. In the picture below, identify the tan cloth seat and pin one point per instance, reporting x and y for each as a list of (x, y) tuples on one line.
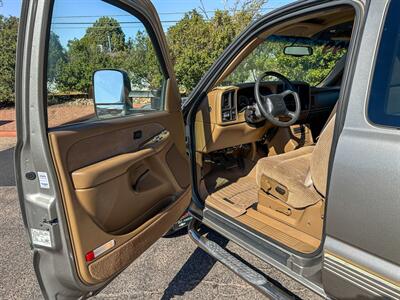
[(298, 177)]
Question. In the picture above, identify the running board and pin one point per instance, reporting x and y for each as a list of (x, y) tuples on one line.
[(264, 284)]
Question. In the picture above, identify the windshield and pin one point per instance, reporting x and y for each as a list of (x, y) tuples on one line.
[(270, 56)]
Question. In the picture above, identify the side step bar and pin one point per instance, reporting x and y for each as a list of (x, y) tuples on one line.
[(264, 284)]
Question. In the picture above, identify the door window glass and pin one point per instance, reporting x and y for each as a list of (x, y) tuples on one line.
[(101, 64), (384, 102)]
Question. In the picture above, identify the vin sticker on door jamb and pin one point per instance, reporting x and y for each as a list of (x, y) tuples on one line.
[(41, 237), (43, 180)]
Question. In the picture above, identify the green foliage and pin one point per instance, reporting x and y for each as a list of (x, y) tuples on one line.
[(195, 43), (8, 42), (142, 63), (190, 49), (107, 34), (102, 46), (269, 56), (56, 56)]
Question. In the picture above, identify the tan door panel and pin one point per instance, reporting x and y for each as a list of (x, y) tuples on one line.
[(121, 192), (108, 169), (120, 188)]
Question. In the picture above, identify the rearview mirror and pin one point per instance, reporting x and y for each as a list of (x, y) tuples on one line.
[(298, 51), (110, 92)]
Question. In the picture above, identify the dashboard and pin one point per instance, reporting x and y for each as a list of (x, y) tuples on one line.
[(236, 101), (222, 117), (246, 96)]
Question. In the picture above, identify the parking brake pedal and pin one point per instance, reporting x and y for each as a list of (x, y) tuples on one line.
[(264, 284)]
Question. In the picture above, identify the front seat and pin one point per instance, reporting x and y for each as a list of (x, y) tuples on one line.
[(299, 178)]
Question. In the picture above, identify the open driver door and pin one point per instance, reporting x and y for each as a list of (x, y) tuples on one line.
[(95, 194)]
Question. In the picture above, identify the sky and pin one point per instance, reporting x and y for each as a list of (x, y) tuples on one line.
[(72, 17)]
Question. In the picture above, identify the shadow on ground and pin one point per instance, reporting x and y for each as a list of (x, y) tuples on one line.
[(7, 167), (198, 265), (4, 122)]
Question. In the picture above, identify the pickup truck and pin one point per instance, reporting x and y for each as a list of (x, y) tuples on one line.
[(303, 174)]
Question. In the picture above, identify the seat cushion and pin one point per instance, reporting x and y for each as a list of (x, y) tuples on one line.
[(286, 176)]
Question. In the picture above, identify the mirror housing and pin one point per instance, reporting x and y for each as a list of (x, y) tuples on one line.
[(111, 90), (298, 51)]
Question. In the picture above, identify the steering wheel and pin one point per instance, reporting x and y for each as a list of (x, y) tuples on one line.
[(273, 107)]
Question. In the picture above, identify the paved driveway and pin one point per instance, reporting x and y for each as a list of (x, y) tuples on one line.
[(172, 268)]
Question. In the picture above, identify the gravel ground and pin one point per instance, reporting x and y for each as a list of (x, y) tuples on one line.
[(171, 268)]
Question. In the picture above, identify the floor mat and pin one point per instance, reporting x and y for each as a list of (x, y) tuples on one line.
[(236, 197)]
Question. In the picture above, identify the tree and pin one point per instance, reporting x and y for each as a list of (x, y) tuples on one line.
[(8, 44), (142, 63), (270, 56), (191, 49), (196, 42), (107, 34), (56, 56), (101, 47)]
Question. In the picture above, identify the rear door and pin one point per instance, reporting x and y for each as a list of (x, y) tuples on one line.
[(98, 182), (361, 250)]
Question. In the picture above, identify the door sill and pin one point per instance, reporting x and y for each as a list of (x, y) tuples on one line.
[(305, 270)]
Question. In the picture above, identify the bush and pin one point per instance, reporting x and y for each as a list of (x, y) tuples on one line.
[(8, 45)]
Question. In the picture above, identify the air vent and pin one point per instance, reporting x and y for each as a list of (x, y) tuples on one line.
[(228, 106), (228, 100)]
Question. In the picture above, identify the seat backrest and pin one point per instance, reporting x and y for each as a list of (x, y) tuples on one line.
[(320, 157)]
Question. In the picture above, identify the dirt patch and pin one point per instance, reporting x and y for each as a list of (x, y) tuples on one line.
[(58, 114), (7, 119), (61, 114)]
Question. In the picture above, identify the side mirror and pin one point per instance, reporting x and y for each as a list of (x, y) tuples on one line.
[(110, 93), (298, 51)]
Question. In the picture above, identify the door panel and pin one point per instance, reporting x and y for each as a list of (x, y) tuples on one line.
[(117, 187)]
